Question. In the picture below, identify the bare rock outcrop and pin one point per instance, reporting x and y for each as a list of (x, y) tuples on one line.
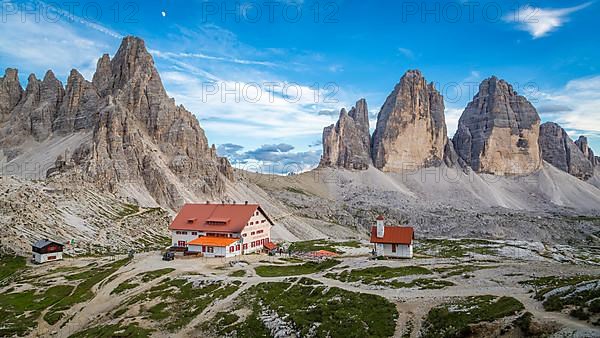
[(347, 144), (451, 158), (79, 109), (411, 127), (10, 92), (36, 109), (559, 150), (582, 143), (498, 131), (141, 140)]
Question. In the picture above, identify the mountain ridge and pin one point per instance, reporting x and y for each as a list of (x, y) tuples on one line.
[(140, 138)]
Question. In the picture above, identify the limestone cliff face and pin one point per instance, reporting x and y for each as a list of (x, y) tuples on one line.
[(498, 131), (411, 128), (140, 138), (559, 150), (79, 109), (347, 144), (34, 113), (10, 92)]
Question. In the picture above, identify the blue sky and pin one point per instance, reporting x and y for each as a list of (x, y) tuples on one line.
[(264, 78)]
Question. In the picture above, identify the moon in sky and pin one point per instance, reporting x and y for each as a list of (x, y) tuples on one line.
[(163, 13)]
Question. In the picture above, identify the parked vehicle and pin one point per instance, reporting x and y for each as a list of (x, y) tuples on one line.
[(168, 256)]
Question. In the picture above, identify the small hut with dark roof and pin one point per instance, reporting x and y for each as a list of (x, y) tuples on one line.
[(46, 250)]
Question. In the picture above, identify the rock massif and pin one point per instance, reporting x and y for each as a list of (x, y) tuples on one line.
[(559, 150), (140, 140), (411, 128), (498, 131), (347, 144)]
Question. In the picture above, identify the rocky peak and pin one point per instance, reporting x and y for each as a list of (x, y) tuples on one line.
[(360, 114), (139, 113), (347, 143), (35, 111), (559, 150), (10, 92), (133, 66), (411, 127), (498, 131), (52, 90), (75, 80), (79, 109), (103, 75), (11, 75), (48, 91), (583, 145), (33, 86)]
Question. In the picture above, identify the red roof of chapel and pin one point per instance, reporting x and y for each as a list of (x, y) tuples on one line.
[(394, 235)]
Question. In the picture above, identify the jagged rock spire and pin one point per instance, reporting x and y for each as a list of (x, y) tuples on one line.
[(347, 143), (10, 92), (79, 109), (582, 143)]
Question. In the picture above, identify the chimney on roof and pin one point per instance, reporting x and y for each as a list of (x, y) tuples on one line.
[(380, 227), (246, 202)]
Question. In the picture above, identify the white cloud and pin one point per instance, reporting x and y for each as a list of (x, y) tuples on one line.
[(217, 58), (541, 21), (336, 68), (452, 117), (48, 8), (56, 39), (576, 106), (406, 52), (34, 47), (250, 109)]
